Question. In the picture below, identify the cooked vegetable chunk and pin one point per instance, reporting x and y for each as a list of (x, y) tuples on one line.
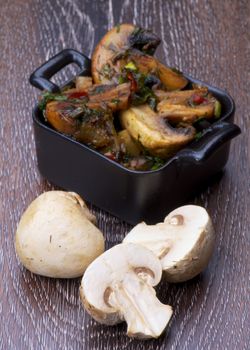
[(114, 43), (93, 127), (151, 130), (130, 44), (179, 113)]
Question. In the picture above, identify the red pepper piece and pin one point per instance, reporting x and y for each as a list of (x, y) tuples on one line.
[(133, 87), (197, 99), (77, 94)]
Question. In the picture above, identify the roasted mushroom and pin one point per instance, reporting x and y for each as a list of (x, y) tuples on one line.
[(125, 44), (186, 106), (182, 97), (114, 97), (179, 113), (94, 127), (171, 79), (114, 45), (152, 131)]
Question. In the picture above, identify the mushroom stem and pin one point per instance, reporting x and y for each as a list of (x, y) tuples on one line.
[(145, 315)]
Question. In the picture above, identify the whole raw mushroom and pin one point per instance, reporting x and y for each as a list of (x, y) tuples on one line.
[(57, 236), (184, 242)]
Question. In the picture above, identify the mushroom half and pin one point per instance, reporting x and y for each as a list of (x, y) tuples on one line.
[(184, 242), (116, 42), (153, 132), (126, 44), (118, 286)]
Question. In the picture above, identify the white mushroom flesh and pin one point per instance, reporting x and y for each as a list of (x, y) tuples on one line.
[(118, 286), (183, 242)]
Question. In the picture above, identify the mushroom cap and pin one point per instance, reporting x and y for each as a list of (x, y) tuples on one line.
[(184, 242), (56, 236), (105, 273)]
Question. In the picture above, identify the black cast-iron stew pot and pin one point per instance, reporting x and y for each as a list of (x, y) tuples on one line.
[(133, 196)]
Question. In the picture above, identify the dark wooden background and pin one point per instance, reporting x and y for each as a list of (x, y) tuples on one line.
[(208, 39)]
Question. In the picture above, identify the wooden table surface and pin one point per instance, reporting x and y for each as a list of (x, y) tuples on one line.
[(210, 41)]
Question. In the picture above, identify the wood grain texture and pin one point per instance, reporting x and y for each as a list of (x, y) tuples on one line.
[(209, 40)]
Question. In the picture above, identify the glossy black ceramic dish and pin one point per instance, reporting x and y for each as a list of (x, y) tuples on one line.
[(131, 195)]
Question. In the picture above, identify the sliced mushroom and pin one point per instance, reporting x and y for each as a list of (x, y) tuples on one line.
[(184, 242), (114, 97), (57, 114), (115, 42), (127, 43), (90, 126), (176, 113), (170, 78), (179, 97), (128, 145), (118, 286), (159, 138)]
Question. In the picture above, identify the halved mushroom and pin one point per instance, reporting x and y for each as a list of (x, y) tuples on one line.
[(146, 64), (128, 145), (184, 242), (91, 126), (176, 113), (180, 97), (114, 97), (118, 286), (125, 44), (117, 41), (187, 106), (152, 131)]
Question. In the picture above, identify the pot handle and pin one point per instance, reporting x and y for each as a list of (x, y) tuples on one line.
[(40, 77), (214, 137)]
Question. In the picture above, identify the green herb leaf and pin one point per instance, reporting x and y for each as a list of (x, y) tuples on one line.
[(49, 96), (158, 163), (121, 79), (198, 135)]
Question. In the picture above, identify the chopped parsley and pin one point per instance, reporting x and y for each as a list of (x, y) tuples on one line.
[(48, 97)]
